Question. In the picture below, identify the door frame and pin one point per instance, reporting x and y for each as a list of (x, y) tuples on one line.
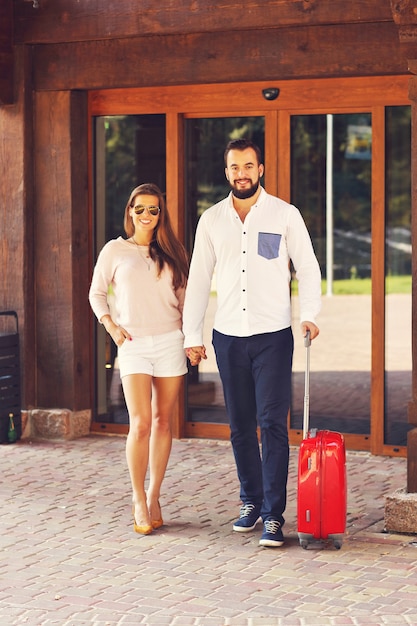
[(296, 97)]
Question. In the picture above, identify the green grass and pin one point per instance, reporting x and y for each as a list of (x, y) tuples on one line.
[(398, 284), (363, 286)]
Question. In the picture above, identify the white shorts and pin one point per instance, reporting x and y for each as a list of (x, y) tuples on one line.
[(157, 355)]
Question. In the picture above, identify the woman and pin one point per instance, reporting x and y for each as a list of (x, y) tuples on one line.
[(148, 273)]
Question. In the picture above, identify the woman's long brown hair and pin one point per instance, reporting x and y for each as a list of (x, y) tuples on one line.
[(165, 246)]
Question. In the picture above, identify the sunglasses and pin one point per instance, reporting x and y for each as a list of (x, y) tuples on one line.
[(152, 210)]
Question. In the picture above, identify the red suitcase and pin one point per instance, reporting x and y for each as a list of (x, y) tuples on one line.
[(322, 494)]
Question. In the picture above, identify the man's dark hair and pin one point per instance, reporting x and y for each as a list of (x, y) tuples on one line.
[(242, 144)]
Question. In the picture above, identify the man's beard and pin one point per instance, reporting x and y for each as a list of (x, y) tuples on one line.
[(243, 194)]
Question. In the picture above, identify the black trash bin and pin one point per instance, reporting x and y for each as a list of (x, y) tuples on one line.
[(10, 409)]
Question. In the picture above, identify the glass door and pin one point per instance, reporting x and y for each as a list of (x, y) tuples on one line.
[(398, 364), (206, 184), (331, 162), (356, 201), (128, 150)]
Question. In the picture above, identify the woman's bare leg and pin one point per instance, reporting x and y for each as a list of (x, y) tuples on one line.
[(137, 389), (165, 394)]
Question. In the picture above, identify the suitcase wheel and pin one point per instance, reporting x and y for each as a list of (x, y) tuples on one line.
[(304, 544), (337, 544)]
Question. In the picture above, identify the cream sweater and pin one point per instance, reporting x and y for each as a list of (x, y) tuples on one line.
[(126, 286)]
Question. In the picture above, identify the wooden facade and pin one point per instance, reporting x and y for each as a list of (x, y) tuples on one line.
[(62, 59)]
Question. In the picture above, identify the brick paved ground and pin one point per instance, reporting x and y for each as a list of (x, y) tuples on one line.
[(69, 555)]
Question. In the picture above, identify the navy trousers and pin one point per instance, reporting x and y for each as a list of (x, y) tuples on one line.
[(256, 376)]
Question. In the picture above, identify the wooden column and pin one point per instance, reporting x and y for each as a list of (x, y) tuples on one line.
[(61, 259)]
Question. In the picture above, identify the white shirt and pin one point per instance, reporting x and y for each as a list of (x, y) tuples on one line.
[(252, 269)]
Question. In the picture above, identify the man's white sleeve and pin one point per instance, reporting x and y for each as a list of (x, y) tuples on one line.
[(306, 267), (198, 286)]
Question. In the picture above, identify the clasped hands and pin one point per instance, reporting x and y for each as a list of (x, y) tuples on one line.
[(196, 354)]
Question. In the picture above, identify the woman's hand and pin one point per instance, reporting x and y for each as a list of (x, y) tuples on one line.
[(120, 335), (195, 354), (116, 332)]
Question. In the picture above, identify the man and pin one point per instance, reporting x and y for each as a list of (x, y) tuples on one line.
[(250, 237)]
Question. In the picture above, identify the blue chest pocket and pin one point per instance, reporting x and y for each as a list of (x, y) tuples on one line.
[(268, 245)]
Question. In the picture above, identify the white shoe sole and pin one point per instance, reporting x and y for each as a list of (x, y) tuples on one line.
[(270, 543), (246, 529)]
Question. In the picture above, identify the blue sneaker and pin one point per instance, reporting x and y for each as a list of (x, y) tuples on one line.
[(272, 536), (248, 518)]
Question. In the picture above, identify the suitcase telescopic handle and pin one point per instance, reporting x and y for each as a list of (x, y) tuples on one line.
[(306, 416)]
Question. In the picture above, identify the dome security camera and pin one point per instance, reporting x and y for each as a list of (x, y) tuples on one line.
[(270, 93)]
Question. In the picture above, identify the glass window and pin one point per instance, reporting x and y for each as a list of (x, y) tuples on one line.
[(206, 184), (331, 185), (398, 274), (128, 150)]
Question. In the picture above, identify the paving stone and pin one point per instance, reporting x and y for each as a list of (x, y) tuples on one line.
[(70, 556)]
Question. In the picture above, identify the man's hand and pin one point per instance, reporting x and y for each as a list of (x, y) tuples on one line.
[(314, 330), (195, 354)]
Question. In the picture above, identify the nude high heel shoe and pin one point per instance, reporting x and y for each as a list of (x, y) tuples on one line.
[(157, 523), (144, 529)]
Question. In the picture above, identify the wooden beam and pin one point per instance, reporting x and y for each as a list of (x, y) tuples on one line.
[(72, 21), (323, 95), (6, 52), (274, 54)]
